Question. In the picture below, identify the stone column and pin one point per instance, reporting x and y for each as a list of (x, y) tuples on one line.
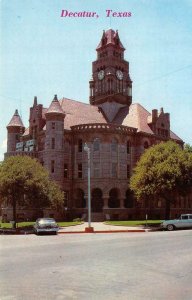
[(105, 202), (122, 203)]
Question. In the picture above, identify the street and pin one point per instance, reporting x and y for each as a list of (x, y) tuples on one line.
[(133, 266)]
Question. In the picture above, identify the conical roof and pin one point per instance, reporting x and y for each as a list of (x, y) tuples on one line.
[(16, 120), (110, 37), (55, 107)]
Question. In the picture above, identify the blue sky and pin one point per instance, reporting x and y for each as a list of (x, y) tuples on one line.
[(42, 54)]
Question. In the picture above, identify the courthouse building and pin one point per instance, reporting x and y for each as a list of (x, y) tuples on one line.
[(117, 132)]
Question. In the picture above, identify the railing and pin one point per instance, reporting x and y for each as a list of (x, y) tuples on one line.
[(104, 127)]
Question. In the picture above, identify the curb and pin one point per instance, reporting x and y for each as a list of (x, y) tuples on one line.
[(103, 231)]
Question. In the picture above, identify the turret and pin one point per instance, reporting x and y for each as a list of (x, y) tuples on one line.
[(54, 140), (15, 129)]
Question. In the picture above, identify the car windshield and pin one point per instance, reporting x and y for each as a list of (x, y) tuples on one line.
[(45, 221)]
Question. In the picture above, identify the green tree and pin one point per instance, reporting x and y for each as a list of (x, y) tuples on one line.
[(164, 170), (188, 148), (24, 181)]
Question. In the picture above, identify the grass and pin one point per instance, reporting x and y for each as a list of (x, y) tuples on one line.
[(66, 224), (30, 224), (134, 223)]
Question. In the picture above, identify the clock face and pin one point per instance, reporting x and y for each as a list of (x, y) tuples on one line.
[(119, 74), (101, 74)]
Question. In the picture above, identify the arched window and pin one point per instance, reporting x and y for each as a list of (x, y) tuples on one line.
[(129, 200), (96, 144), (80, 199), (97, 200), (114, 201)]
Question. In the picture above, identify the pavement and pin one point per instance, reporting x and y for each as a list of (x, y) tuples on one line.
[(100, 227), (96, 227)]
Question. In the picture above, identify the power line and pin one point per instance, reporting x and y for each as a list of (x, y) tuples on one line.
[(165, 75)]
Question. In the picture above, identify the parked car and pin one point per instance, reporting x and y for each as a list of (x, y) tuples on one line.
[(184, 221), (45, 225)]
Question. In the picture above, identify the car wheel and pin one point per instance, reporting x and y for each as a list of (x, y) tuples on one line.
[(170, 227)]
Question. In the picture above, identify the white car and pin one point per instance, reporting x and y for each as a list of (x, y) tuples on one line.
[(184, 221), (46, 225)]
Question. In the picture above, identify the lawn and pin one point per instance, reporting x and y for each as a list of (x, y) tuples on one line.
[(134, 223), (30, 224)]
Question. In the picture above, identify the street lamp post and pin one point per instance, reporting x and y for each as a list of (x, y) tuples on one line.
[(89, 229)]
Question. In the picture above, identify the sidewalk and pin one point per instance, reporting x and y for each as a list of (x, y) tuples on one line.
[(99, 227)]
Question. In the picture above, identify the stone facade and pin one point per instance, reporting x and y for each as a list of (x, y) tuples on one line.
[(116, 131)]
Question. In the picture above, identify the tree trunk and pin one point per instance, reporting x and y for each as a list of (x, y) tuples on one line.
[(14, 213), (167, 208)]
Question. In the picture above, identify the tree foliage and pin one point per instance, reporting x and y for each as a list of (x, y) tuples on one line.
[(188, 148), (24, 181), (163, 170)]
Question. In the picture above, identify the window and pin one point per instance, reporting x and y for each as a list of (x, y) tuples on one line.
[(128, 171), (128, 147), (80, 146), (80, 201), (66, 198), (129, 200), (66, 146), (114, 169), (80, 173), (52, 166), (65, 170), (96, 145), (146, 145), (53, 143), (53, 125), (114, 145), (17, 137)]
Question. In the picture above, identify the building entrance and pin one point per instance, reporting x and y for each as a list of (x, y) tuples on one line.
[(97, 200)]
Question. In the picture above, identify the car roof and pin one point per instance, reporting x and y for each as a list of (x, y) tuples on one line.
[(186, 214), (49, 219)]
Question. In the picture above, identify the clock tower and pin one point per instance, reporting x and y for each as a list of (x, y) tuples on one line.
[(110, 73)]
